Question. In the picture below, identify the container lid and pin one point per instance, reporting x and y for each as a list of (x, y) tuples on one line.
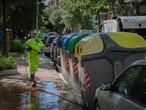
[(67, 38), (128, 40), (73, 42), (90, 44)]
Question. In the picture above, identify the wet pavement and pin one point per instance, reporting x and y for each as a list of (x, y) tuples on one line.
[(51, 93)]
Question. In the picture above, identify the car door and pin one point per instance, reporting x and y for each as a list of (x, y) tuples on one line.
[(128, 92)]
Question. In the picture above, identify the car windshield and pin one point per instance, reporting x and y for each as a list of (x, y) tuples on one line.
[(50, 39)]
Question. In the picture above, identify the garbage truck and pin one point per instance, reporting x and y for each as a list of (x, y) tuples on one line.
[(136, 24)]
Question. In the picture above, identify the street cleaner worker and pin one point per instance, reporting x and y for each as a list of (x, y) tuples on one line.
[(34, 47)]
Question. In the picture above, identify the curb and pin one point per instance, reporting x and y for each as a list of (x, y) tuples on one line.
[(8, 72)]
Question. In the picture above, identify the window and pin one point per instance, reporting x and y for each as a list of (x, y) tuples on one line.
[(132, 83), (142, 9), (50, 39)]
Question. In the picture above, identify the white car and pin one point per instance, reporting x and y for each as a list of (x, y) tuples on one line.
[(127, 92)]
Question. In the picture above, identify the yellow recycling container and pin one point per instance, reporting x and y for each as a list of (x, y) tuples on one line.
[(102, 57)]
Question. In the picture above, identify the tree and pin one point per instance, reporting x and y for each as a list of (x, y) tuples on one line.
[(52, 14), (77, 13), (80, 12), (116, 7), (21, 14)]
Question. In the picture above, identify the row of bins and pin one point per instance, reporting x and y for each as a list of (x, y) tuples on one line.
[(87, 60)]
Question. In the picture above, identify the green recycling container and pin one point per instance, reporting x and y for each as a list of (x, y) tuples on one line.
[(73, 42)]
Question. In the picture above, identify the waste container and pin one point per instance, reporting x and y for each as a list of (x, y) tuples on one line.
[(73, 62), (101, 58), (66, 39), (64, 56), (59, 47), (70, 47)]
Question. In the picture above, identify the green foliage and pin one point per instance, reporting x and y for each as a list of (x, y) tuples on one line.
[(73, 13), (17, 46), (99, 5), (7, 62), (77, 13), (21, 14), (80, 12), (53, 14)]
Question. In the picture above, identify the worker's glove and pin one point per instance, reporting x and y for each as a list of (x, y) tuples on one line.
[(41, 53)]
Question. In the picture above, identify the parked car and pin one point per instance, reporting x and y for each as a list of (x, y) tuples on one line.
[(127, 92), (46, 35), (49, 40)]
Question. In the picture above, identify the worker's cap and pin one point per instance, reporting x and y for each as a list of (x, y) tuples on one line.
[(40, 34)]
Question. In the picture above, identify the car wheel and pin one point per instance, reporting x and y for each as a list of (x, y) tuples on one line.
[(97, 105)]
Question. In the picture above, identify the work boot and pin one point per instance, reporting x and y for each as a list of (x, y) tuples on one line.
[(34, 85), (32, 78)]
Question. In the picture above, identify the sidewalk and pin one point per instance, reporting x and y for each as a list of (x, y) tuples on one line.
[(49, 80), (46, 72)]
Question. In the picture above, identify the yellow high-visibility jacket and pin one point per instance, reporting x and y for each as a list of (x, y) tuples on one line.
[(33, 55)]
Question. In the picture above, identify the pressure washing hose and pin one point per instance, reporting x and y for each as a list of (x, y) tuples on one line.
[(30, 88), (47, 92), (60, 97), (41, 90)]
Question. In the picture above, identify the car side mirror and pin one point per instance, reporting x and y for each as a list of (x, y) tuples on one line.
[(106, 86)]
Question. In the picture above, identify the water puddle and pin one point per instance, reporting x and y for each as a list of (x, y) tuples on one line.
[(16, 98)]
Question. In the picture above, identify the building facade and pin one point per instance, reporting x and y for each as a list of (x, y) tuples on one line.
[(56, 3), (138, 6)]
